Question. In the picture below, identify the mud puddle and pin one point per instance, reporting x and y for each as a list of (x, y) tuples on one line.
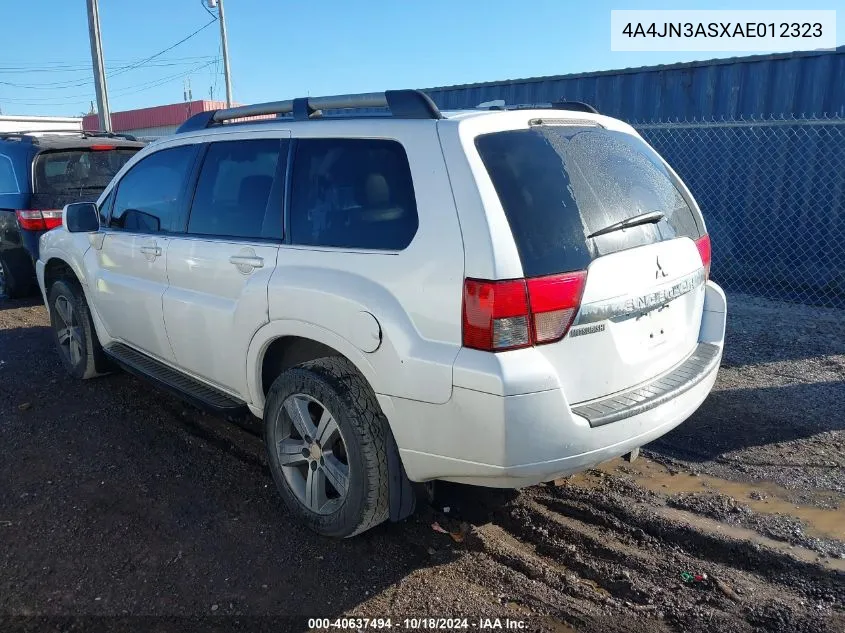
[(708, 525), (760, 497)]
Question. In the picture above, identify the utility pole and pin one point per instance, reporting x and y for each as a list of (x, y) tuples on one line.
[(99, 68), (224, 43)]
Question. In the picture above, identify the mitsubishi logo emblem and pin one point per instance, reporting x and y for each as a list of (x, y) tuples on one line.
[(660, 272)]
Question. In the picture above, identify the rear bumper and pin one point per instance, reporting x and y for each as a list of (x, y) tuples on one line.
[(29, 240), (519, 440)]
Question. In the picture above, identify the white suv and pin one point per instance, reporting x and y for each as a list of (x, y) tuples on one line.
[(496, 298)]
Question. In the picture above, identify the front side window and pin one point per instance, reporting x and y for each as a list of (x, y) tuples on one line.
[(152, 192), (352, 193), (8, 182), (105, 208), (234, 189)]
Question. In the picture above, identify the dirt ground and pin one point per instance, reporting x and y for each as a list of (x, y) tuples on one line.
[(121, 508)]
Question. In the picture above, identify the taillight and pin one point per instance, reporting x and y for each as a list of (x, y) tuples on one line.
[(39, 220), (495, 314), (102, 148), (554, 302), (703, 244), (503, 315)]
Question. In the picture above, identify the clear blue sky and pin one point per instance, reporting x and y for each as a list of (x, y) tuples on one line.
[(281, 49)]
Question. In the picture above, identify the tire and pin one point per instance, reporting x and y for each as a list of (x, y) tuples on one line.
[(335, 385), (88, 360), (13, 285)]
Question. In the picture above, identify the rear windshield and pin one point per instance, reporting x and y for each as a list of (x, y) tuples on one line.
[(559, 184), (67, 171)]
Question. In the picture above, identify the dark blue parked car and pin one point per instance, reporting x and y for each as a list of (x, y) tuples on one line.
[(40, 173)]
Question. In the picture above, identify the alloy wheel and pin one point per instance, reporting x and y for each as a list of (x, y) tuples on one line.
[(312, 453), (68, 331)]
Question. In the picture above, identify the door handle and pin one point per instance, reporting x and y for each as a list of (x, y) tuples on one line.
[(155, 251), (246, 261)]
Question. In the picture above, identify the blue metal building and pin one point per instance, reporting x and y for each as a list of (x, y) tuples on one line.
[(801, 83), (773, 191)]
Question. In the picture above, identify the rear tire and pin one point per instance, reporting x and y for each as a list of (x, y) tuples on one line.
[(73, 331), (13, 284), (324, 392)]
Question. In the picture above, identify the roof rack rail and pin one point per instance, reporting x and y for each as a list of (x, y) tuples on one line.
[(563, 104), (33, 134), (403, 104), (103, 133), (575, 106)]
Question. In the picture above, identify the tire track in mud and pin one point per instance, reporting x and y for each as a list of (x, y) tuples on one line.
[(583, 554)]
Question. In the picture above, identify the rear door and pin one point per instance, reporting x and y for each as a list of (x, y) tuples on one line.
[(218, 269), (131, 273), (564, 188), (14, 194)]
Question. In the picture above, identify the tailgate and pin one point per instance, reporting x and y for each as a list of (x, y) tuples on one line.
[(579, 196), (640, 315)]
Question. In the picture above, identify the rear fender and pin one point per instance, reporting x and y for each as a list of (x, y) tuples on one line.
[(268, 333)]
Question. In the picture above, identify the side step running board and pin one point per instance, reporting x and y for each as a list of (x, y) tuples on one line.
[(185, 387)]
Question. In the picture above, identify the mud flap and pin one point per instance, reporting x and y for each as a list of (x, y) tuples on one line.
[(401, 492)]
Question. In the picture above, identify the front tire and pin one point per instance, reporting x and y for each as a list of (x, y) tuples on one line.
[(73, 331), (326, 445)]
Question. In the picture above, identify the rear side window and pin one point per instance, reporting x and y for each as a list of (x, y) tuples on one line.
[(58, 172), (8, 181), (234, 189), (559, 184), (352, 193), (152, 192)]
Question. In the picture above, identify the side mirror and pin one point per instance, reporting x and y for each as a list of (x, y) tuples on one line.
[(81, 217)]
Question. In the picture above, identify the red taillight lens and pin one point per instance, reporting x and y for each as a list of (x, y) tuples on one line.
[(52, 218), (102, 148), (703, 244), (554, 302), (31, 220), (35, 220), (502, 315), (495, 315)]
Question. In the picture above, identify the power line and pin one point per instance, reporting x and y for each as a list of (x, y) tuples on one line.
[(76, 83), (120, 92), (169, 48), (45, 102), (84, 63)]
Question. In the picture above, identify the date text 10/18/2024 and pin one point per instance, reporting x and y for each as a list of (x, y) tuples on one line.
[(441, 624)]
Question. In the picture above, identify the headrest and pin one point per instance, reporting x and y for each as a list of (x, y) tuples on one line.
[(378, 192)]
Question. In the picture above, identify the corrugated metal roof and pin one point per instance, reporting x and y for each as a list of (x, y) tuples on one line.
[(157, 116), (805, 82)]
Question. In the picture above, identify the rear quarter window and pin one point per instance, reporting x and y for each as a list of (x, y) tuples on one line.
[(8, 178), (352, 193), (559, 184)]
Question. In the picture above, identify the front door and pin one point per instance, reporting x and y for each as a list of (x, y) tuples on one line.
[(131, 271), (218, 270)]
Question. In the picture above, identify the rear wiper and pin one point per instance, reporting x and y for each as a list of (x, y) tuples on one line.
[(649, 217)]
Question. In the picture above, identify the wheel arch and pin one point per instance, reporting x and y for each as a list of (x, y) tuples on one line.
[(281, 344), (58, 264), (57, 267)]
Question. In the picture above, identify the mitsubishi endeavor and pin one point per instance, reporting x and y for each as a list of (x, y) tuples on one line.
[(491, 297)]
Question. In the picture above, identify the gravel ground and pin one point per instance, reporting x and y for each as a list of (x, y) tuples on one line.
[(123, 509)]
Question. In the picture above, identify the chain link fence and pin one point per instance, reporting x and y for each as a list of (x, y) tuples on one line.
[(773, 196)]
